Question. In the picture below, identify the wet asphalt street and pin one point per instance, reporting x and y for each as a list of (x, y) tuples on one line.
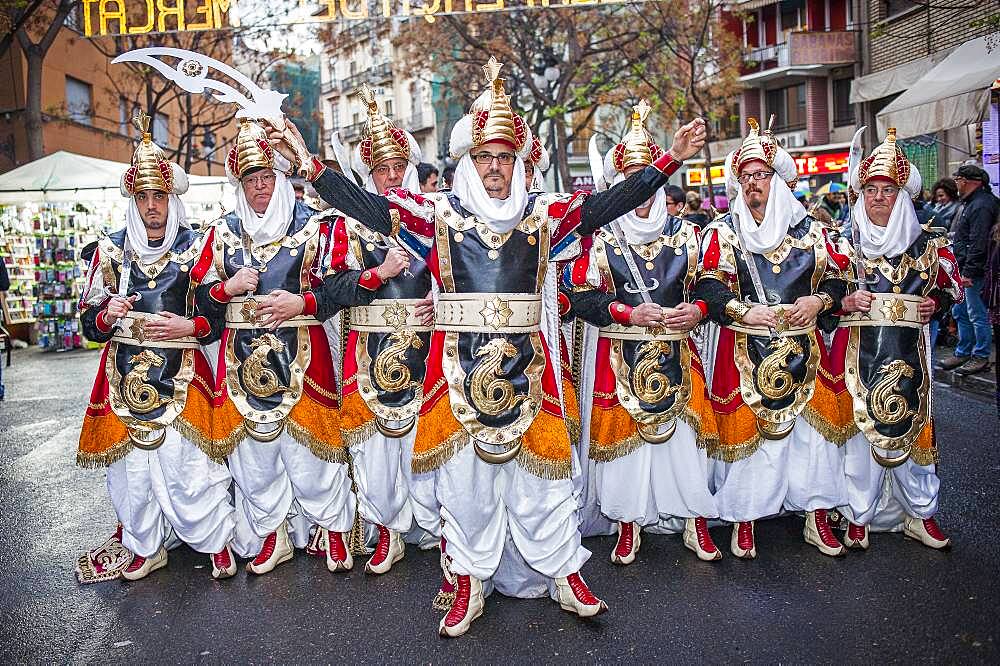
[(897, 602)]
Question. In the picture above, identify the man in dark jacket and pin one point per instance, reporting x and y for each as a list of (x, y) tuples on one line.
[(971, 242)]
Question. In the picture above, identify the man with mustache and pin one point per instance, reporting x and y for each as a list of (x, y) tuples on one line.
[(779, 424), (149, 419), (647, 417), (385, 353), (881, 351), (491, 424)]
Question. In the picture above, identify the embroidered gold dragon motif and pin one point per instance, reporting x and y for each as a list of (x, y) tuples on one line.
[(648, 383), (489, 393), (140, 397), (888, 406), (257, 375), (390, 372), (773, 378)]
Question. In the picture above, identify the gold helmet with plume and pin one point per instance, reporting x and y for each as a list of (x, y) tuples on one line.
[(150, 169)]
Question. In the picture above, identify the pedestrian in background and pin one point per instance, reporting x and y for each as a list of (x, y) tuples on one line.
[(448, 176), (945, 202), (991, 293), (693, 210), (427, 174), (675, 200), (972, 237)]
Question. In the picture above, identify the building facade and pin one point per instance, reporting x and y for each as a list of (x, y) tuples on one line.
[(87, 104), (799, 60), (362, 52), (900, 42)]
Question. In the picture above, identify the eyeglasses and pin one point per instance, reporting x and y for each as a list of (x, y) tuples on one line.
[(384, 169), (262, 179), (745, 178), (487, 158), (874, 190)]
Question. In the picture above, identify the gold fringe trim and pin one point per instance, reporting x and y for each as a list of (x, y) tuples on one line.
[(734, 452), (830, 432), (431, 460), (544, 468), (319, 449), (217, 451), (106, 457), (706, 440), (603, 453), (925, 457), (360, 434), (232, 440)]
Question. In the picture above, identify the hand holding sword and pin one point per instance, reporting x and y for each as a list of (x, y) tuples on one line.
[(120, 303)]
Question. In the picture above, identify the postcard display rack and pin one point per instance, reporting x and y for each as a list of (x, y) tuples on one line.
[(45, 242)]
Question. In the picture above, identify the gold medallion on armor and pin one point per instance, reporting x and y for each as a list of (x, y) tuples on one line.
[(249, 310), (258, 378), (390, 372), (888, 406), (773, 378), (489, 393), (139, 396), (648, 383), (496, 313), (894, 310), (138, 330)]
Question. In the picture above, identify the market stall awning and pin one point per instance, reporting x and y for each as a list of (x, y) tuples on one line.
[(68, 177), (953, 94), (895, 79)]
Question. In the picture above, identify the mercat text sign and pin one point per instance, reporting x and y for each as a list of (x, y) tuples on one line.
[(132, 17)]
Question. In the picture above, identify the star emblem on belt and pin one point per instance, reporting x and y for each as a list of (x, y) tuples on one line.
[(394, 315), (894, 310), (496, 313), (137, 330), (782, 315), (249, 310)]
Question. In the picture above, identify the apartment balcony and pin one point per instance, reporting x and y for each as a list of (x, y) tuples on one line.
[(330, 87), (380, 73), (802, 54), (353, 131), (420, 121), (373, 75)]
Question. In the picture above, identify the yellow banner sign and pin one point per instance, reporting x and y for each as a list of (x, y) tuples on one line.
[(131, 17)]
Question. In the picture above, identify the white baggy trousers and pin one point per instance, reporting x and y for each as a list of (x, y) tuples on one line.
[(658, 481), (880, 496), (389, 494), (801, 472), (271, 475), (174, 487), (480, 502)]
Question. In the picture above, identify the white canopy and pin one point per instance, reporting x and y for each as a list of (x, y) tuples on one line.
[(954, 93), (68, 177)]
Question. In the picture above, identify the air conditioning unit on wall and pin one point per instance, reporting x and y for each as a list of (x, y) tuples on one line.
[(794, 140)]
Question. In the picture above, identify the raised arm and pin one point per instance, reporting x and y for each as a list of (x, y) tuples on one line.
[(369, 209), (603, 207)]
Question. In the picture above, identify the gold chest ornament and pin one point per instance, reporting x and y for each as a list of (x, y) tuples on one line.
[(258, 377), (139, 396), (773, 378)]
